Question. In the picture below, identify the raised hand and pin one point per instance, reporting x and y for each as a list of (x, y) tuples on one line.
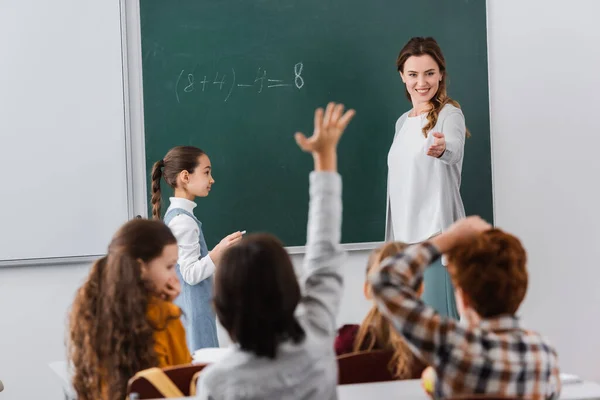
[(329, 127)]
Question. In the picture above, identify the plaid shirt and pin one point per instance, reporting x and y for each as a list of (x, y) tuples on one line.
[(495, 356)]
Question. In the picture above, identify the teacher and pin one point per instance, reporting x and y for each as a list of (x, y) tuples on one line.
[(425, 163)]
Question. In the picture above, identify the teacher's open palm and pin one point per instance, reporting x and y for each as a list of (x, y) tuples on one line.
[(439, 145)]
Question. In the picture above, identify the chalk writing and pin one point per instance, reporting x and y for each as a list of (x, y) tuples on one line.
[(298, 80), (190, 87), (186, 83)]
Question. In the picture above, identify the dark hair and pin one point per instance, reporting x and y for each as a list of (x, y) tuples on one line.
[(256, 293), (180, 158), (110, 338), (419, 46), (491, 271)]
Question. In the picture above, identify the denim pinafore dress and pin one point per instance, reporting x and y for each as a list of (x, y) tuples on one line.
[(196, 300)]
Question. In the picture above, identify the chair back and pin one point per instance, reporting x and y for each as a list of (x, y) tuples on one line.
[(365, 367), (182, 377)]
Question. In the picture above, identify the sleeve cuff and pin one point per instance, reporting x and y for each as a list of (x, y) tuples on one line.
[(210, 266), (446, 156), (433, 251)]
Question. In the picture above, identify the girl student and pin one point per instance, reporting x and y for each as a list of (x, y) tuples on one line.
[(188, 171), (376, 332), (122, 320)]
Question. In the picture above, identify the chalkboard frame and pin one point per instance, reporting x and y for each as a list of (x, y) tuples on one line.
[(142, 204)]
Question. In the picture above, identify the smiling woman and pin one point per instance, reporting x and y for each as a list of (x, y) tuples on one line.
[(425, 163)]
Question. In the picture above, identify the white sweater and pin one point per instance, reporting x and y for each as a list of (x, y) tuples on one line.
[(423, 191)]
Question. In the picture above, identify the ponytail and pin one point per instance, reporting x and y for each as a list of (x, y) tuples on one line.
[(156, 194)]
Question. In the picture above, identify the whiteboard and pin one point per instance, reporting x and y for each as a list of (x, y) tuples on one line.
[(64, 187)]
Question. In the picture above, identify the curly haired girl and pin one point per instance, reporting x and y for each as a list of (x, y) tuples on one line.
[(122, 320)]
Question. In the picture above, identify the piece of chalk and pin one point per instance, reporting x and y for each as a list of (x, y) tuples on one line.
[(243, 232)]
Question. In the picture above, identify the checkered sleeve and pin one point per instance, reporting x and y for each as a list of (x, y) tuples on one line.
[(499, 358), (395, 286)]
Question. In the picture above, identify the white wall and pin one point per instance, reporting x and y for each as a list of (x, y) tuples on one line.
[(544, 62), (33, 308)]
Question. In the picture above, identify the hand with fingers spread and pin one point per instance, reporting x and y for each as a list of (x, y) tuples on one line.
[(439, 145), (329, 127)]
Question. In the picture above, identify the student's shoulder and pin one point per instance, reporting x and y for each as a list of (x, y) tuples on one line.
[(540, 341), (218, 376), (182, 221)]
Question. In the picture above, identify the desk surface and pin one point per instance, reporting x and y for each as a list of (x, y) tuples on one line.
[(411, 389), (400, 390)]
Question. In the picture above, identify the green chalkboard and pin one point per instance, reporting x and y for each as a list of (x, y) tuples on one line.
[(237, 78)]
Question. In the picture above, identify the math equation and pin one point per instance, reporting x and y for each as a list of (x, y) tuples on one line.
[(227, 83)]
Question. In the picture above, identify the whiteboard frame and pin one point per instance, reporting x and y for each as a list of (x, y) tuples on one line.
[(135, 102), (48, 261), (129, 180)]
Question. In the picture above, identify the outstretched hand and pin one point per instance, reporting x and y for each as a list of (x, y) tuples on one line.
[(438, 147)]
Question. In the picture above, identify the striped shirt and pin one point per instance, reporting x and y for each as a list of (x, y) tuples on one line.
[(495, 356)]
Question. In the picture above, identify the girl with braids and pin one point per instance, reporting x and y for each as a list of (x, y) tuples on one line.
[(425, 163), (188, 170), (375, 332), (122, 320)]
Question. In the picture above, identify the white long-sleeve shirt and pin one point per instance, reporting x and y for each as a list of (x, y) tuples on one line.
[(424, 191), (193, 268)]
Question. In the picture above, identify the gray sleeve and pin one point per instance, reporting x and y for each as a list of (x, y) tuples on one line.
[(399, 123), (202, 391), (322, 278), (454, 131), (389, 228)]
